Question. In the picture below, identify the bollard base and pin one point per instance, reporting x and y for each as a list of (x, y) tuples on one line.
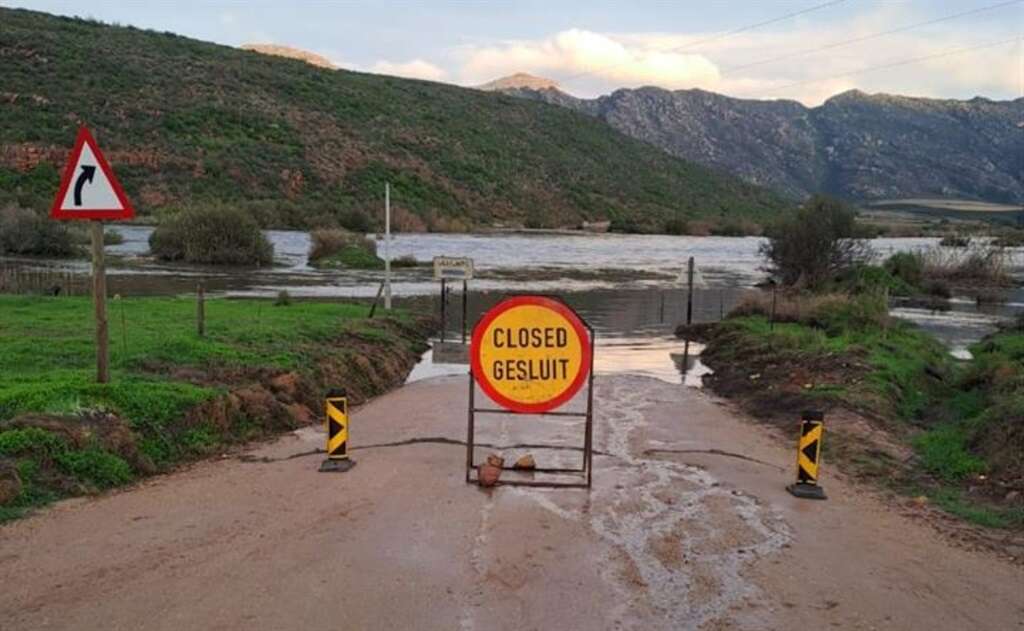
[(807, 491), (338, 465)]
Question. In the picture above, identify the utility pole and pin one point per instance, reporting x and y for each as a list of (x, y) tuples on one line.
[(387, 246)]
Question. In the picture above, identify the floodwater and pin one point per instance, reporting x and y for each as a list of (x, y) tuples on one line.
[(628, 287)]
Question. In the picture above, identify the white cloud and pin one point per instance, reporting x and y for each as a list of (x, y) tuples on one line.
[(587, 63), (415, 69), (577, 51)]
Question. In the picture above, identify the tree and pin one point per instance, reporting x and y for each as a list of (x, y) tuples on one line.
[(814, 243)]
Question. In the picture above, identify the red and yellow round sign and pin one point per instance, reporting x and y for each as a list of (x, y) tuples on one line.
[(530, 353)]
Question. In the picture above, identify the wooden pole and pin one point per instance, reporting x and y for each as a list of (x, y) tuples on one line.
[(689, 292), (99, 298), (201, 310), (444, 308), (465, 287)]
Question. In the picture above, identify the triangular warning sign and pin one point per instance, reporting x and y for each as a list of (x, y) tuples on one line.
[(89, 189)]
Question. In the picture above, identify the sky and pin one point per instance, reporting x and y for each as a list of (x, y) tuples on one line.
[(807, 50)]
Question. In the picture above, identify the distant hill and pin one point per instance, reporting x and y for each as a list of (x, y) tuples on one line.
[(290, 53), (857, 146), (518, 81), (185, 121)]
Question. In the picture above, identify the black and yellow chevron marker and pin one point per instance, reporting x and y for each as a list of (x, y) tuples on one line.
[(336, 418), (337, 427), (808, 457)]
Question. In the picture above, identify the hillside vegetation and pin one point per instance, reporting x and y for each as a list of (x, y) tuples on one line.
[(184, 121)]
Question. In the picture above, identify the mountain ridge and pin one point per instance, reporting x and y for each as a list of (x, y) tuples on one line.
[(855, 145)]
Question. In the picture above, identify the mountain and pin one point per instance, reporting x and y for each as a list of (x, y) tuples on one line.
[(517, 81), (857, 146), (188, 122), (290, 53)]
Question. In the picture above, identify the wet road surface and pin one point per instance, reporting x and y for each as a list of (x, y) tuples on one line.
[(687, 527)]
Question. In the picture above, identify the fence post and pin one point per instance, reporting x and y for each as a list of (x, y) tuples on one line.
[(201, 310)]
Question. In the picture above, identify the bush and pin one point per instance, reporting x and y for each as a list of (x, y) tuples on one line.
[(865, 279), (908, 266), (405, 261), (834, 313), (334, 247), (735, 228), (27, 232), (218, 235), (955, 241), (80, 236), (814, 244), (1009, 240), (677, 226), (976, 265)]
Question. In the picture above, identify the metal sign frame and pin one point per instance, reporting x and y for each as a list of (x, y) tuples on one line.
[(586, 468)]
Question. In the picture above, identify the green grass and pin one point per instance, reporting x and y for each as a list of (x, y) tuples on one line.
[(47, 366), (300, 146), (351, 256), (898, 356), (965, 422), (953, 501)]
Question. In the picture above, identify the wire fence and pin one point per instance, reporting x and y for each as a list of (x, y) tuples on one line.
[(49, 282)]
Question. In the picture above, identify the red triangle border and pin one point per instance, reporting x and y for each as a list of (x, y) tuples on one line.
[(127, 211)]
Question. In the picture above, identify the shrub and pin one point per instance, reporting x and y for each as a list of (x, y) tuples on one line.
[(405, 261), (80, 236), (873, 279), (955, 241), (814, 243), (218, 235), (735, 228), (939, 289), (1009, 240), (27, 232), (975, 265), (677, 226), (838, 314), (334, 247), (284, 299), (834, 313), (908, 266)]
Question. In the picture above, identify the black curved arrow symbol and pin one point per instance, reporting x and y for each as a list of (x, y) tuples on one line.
[(85, 176)]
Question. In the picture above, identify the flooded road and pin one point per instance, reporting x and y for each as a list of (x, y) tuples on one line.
[(627, 286)]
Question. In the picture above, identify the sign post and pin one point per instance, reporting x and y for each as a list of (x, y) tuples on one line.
[(89, 191), (448, 268), (532, 355)]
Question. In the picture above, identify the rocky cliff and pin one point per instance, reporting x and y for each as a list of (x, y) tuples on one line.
[(855, 145)]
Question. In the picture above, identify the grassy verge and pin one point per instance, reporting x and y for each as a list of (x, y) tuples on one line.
[(173, 396), (951, 432)]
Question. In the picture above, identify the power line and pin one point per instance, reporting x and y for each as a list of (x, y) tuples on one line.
[(858, 40), (713, 38), (895, 64)]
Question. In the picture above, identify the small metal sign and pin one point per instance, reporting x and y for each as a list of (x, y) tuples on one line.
[(453, 268)]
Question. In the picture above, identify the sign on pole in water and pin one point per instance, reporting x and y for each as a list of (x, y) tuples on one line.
[(453, 268)]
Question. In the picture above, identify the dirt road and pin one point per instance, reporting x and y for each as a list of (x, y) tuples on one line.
[(676, 534)]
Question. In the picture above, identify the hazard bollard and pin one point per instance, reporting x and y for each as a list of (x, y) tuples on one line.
[(336, 419), (808, 457)]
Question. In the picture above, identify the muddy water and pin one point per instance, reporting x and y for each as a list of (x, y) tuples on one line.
[(626, 286)]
